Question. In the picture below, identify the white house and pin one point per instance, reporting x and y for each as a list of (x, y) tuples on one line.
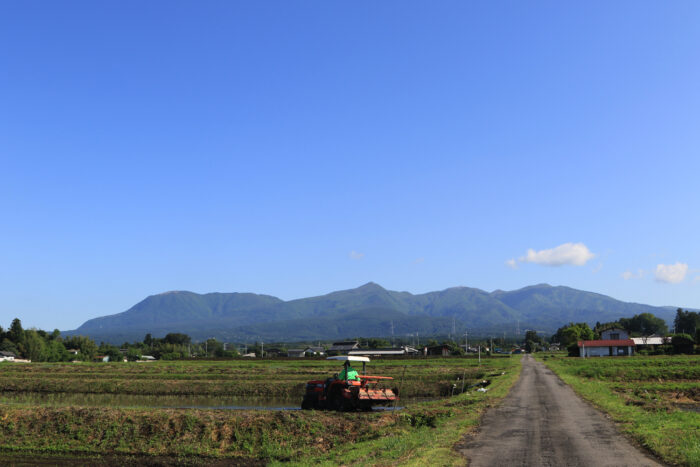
[(614, 342)]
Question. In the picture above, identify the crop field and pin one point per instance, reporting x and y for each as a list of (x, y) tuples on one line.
[(416, 434), (654, 399), (278, 378)]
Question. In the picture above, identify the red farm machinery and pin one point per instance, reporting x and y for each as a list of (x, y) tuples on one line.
[(349, 394)]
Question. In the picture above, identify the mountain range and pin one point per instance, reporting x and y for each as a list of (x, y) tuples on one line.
[(369, 310)]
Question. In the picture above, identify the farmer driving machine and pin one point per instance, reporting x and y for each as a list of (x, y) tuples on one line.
[(349, 394)]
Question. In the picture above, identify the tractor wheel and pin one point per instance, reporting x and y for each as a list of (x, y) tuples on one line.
[(336, 401), (309, 403)]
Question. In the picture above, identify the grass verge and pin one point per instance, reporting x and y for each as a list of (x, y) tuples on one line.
[(669, 432)]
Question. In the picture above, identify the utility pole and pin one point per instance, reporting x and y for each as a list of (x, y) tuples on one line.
[(262, 349), (466, 341)]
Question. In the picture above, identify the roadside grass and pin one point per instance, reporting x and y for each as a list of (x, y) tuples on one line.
[(640, 394), (422, 433)]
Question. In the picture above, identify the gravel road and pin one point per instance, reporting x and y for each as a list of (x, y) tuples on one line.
[(542, 422)]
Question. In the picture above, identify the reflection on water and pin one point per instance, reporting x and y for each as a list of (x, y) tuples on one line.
[(144, 401)]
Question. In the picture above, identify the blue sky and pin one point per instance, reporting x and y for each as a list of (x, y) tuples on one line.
[(296, 148)]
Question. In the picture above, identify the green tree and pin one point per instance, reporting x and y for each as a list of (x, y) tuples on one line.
[(177, 338), (644, 324), (34, 346), (377, 343), (686, 322), (8, 346), (133, 354), (455, 349), (113, 353), (682, 343), (16, 333), (570, 334), (86, 347), (56, 351)]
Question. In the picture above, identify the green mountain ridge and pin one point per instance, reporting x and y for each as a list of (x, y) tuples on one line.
[(368, 310)]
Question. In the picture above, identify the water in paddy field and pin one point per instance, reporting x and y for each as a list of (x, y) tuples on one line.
[(137, 401)]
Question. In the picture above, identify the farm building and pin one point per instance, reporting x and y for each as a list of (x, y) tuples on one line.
[(388, 352), (614, 342), (651, 341), (7, 356), (613, 334), (315, 351), (442, 350), (344, 347), (296, 353)]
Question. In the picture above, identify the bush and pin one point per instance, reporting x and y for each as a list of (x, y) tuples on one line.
[(171, 356), (574, 350), (682, 343)]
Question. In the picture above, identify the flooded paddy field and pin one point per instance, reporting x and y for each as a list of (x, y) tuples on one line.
[(282, 379), (236, 410)]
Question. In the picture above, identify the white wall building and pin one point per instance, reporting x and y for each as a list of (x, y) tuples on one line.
[(614, 342)]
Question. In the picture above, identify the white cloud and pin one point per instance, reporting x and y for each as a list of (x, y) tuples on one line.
[(671, 273), (576, 254), (627, 275), (356, 255), (697, 279), (512, 263)]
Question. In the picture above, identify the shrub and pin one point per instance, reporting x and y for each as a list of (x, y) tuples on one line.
[(682, 343)]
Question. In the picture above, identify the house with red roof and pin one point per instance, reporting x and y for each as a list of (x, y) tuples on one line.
[(614, 342)]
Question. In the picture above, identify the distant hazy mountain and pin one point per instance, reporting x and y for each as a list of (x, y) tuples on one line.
[(369, 310)]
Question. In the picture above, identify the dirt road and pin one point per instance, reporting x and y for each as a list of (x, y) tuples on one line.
[(543, 423)]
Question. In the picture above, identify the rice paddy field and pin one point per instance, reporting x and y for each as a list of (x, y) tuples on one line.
[(653, 399), (85, 411), (240, 379)]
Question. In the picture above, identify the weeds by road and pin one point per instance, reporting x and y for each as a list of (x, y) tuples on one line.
[(654, 399)]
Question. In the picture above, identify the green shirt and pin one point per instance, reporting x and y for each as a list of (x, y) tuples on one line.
[(350, 374)]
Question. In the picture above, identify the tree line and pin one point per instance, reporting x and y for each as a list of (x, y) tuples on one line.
[(41, 346)]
